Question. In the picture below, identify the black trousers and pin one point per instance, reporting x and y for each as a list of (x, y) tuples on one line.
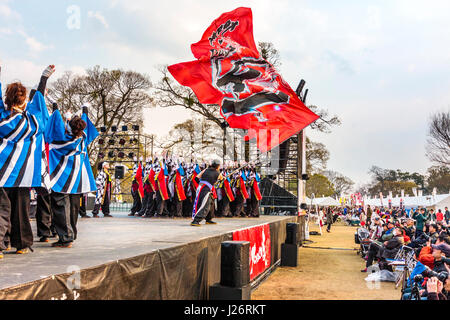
[(187, 207), (161, 205), (63, 209), (74, 210), (5, 215), (372, 253), (43, 214), (238, 206), (21, 234), (176, 207), (204, 208), (83, 200), (252, 207), (137, 203), (223, 207), (150, 208), (145, 201), (329, 223), (104, 206)]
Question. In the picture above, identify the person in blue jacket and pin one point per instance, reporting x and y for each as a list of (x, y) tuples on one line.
[(22, 160), (70, 171)]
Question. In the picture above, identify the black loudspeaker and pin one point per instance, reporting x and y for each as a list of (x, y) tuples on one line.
[(289, 255), (219, 292), (235, 264), (284, 155), (119, 172), (292, 233)]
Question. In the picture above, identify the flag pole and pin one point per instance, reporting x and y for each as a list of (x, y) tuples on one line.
[(301, 166)]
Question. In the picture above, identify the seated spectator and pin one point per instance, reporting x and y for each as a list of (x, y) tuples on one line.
[(422, 238), (432, 255), (409, 228), (376, 230), (386, 250)]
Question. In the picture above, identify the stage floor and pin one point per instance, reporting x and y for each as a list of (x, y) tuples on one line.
[(108, 239)]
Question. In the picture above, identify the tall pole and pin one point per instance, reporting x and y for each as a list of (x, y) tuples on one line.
[(301, 170), (301, 158), (224, 144)]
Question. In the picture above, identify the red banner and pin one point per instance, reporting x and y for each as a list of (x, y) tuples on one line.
[(260, 256), (139, 180), (243, 189), (256, 190), (179, 187), (228, 190)]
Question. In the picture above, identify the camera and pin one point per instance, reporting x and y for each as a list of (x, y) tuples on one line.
[(427, 238), (418, 278), (442, 276)]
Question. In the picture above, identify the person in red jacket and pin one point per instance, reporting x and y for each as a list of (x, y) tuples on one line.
[(439, 217)]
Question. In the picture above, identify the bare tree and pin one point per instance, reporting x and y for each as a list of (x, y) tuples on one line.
[(317, 156), (269, 53), (196, 136), (117, 97), (170, 94), (342, 184), (438, 148)]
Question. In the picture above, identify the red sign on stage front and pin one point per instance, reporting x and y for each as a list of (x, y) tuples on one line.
[(259, 238)]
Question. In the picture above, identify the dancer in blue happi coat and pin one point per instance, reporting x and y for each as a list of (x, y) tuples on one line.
[(70, 171), (22, 160)]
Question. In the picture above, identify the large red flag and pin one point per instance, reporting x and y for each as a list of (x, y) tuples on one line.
[(230, 72)]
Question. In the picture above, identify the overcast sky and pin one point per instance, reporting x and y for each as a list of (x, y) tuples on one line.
[(382, 66)]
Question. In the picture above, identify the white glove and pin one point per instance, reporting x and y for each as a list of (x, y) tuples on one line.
[(48, 71)]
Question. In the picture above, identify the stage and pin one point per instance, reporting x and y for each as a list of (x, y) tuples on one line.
[(130, 258)]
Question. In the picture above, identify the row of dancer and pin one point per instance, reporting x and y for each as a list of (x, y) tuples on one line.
[(170, 187), (45, 152)]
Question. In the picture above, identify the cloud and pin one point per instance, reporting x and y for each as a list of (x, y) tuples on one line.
[(6, 12), (98, 16), (34, 45)]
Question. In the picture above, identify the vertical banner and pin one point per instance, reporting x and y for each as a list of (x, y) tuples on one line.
[(260, 256)]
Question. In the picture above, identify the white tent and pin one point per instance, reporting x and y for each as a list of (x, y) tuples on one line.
[(432, 202), (325, 202)]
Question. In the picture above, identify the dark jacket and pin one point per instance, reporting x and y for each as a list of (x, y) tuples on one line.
[(369, 213), (329, 216), (390, 249), (439, 266)]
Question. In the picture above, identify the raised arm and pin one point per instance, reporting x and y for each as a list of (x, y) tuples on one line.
[(44, 77), (55, 130), (90, 131), (37, 104)]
